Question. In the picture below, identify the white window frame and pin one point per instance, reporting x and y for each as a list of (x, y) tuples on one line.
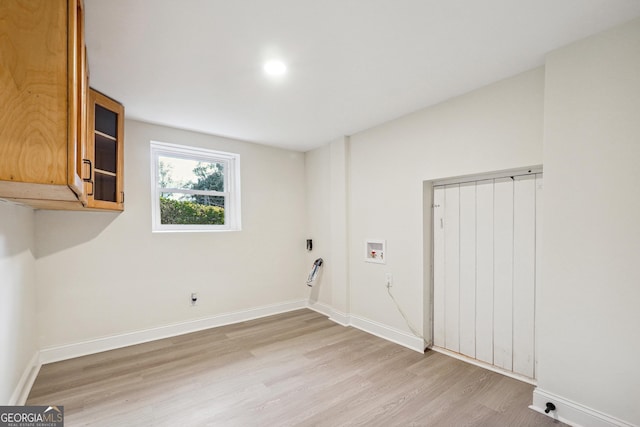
[(231, 193)]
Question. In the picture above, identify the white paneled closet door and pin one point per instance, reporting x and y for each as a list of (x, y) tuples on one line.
[(485, 270)]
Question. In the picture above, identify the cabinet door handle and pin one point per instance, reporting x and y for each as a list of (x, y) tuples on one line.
[(122, 194), (90, 181), (88, 162)]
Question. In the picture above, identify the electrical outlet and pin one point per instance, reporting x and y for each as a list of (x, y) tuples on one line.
[(194, 298), (389, 279)]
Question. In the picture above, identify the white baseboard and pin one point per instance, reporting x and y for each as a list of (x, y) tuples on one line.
[(83, 348), (340, 318), (374, 328), (483, 365), (388, 333), (567, 411), (320, 307), (21, 392), (69, 351), (333, 314), (573, 413)]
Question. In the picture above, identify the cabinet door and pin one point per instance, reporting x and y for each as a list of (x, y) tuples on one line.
[(105, 158), (33, 95), (43, 122), (78, 89)]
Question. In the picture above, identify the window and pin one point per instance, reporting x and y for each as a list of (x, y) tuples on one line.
[(194, 189)]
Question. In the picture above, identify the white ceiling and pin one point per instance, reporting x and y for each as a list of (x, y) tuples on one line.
[(353, 64)]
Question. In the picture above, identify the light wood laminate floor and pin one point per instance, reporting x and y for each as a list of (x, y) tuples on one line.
[(296, 368)]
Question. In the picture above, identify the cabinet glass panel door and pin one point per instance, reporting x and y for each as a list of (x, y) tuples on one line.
[(105, 152)]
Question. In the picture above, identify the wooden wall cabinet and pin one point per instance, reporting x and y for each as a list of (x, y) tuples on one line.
[(105, 158), (47, 122), (42, 100)]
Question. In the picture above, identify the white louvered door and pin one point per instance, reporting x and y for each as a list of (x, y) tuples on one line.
[(485, 269)]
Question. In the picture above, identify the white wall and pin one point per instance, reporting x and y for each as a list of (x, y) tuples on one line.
[(494, 128), (327, 190), (318, 196), (339, 226), (589, 313), (102, 274), (18, 339)]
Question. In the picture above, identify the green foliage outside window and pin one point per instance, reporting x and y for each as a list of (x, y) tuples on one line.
[(186, 212)]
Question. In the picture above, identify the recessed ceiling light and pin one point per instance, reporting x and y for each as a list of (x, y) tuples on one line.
[(275, 68)]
